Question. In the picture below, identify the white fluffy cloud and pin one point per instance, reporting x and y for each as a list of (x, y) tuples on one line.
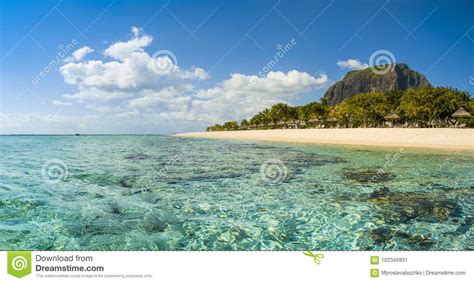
[(169, 109), (148, 90), (96, 94), (61, 103), (171, 98), (79, 54), (352, 64), (122, 50), (132, 71), (104, 108), (242, 96), (138, 71)]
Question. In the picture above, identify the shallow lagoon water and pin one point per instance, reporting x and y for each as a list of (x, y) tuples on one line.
[(172, 193)]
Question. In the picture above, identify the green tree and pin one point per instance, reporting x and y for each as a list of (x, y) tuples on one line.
[(420, 105), (362, 110), (312, 110), (244, 123), (417, 105), (448, 100), (231, 126), (282, 111), (215, 127)]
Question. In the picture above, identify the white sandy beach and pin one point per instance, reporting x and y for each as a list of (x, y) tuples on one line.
[(437, 138)]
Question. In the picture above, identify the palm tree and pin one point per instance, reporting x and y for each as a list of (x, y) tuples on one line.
[(244, 123)]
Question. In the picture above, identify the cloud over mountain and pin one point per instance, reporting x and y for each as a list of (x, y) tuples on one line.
[(352, 64)]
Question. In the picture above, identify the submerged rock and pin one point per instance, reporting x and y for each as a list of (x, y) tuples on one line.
[(382, 235), (397, 207), (125, 182), (108, 179), (155, 225), (369, 175), (389, 235), (383, 192), (139, 191), (115, 208), (201, 177), (421, 241), (464, 227), (437, 186), (137, 156)]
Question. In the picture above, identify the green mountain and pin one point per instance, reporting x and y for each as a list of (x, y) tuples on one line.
[(385, 78)]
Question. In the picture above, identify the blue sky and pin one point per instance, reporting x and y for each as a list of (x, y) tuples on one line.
[(220, 57)]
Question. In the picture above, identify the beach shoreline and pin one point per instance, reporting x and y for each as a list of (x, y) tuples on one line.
[(418, 138)]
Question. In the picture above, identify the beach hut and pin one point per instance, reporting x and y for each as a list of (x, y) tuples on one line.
[(460, 114), (280, 124), (272, 124), (293, 124), (392, 117), (313, 121), (332, 120)]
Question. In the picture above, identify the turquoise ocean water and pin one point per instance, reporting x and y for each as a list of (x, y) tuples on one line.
[(172, 193)]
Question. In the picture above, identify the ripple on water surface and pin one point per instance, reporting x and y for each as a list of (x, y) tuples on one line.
[(169, 193)]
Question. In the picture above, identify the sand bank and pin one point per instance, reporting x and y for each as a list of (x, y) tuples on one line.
[(437, 138)]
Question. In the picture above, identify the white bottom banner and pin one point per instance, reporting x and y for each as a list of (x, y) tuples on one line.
[(373, 266)]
